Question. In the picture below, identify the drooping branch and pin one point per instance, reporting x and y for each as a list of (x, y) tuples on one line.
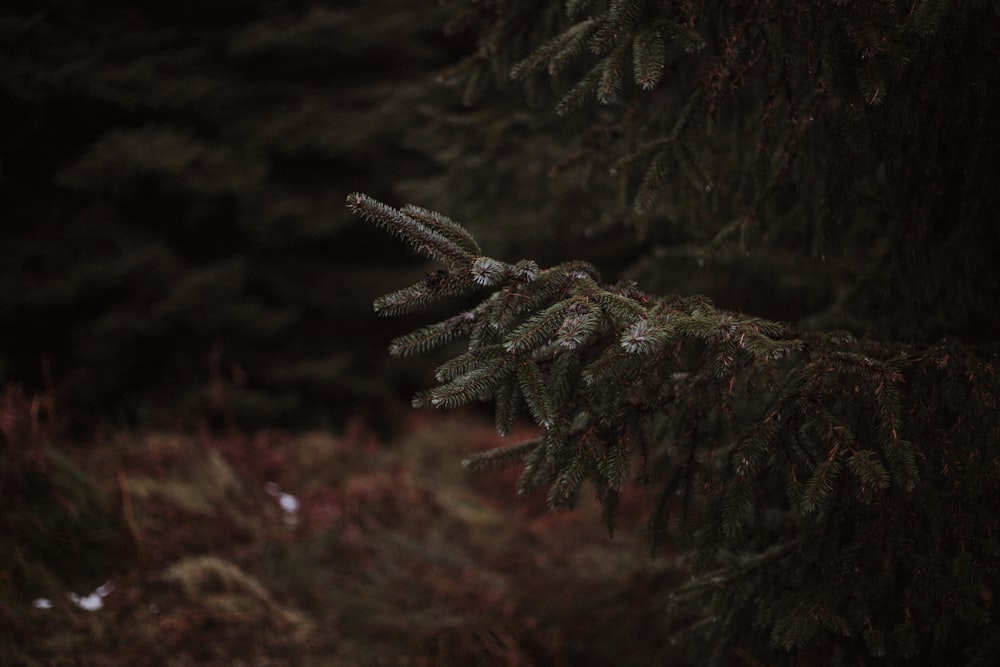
[(762, 444)]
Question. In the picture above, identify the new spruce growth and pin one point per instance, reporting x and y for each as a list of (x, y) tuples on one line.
[(830, 493)]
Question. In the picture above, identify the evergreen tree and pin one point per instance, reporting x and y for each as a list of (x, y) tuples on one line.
[(172, 242), (830, 481)]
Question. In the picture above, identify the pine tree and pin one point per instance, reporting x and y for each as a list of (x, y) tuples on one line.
[(831, 482), (169, 225)]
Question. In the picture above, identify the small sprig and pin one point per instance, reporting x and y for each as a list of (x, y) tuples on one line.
[(435, 236)]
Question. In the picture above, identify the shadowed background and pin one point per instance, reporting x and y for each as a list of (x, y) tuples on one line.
[(172, 185)]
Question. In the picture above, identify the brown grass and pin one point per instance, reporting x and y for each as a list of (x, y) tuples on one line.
[(396, 556)]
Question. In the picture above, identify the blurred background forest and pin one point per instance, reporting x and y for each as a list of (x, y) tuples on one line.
[(176, 243)]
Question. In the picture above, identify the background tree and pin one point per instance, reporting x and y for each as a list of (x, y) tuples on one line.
[(831, 479), (171, 188)]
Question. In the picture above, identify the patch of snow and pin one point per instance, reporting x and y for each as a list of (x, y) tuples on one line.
[(95, 600), (288, 502)]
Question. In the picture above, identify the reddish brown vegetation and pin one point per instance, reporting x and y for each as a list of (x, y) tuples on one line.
[(395, 555)]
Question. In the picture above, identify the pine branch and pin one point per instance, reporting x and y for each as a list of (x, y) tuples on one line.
[(538, 329), (445, 226), (615, 26), (433, 336), (689, 40), (430, 236), (648, 58), (506, 409), (582, 323), (476, 385), (501, 457), (536, 394), (748, 429), (467, 362), (555, 53)]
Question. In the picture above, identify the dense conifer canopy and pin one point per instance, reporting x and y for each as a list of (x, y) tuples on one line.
[(830, 480)]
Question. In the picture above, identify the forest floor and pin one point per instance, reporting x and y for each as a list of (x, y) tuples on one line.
[(274, 548)]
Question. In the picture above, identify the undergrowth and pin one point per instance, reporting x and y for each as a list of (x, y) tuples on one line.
[(313, 548)]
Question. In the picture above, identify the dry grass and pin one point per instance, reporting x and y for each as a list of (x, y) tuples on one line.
[(395, 556)]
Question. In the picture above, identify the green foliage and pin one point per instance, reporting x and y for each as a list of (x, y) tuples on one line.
[(818, 133), (825, 488)]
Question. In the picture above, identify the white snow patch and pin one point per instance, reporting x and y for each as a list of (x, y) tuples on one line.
[(95, 600), (288, 503)]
